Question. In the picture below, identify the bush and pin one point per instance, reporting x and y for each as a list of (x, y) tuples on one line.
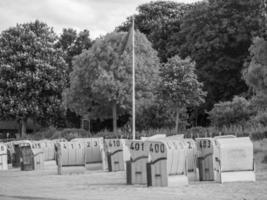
[(197, 131), (44, 134), (71, 133), (156, 116), (227, 113), (260, 118), (255, 132), (128, 135)]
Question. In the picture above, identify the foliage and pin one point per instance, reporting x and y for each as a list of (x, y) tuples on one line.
[(217, 35), (139, 134), (159, 21), (256, 74), (260, 118), (102, 76), (158, 115), (73, 44), (32, 72), (226, 113), (71, 133), (179, 83), (46, 133), (179, 86), (258, 103), (255, 132)]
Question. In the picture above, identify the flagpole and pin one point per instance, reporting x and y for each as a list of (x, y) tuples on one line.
[(133, 85)]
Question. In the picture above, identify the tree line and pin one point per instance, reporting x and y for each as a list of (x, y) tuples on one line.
[(191, 61)]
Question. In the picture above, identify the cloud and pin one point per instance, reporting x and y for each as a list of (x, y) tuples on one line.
[(98, 16)]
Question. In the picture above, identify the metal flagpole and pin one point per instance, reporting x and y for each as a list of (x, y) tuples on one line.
[(265, 12), (133, 85)]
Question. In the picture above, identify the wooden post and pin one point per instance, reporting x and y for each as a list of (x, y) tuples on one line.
[(23, 127), (59, 159), (177, 120)]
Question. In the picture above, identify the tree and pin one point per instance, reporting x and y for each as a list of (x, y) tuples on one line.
[(32, 73), (160, 22), (72, 44), (101, 78), (179, 85), (256, 73), (217, 35)]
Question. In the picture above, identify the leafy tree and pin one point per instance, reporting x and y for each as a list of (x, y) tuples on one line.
[(256, 74), (32, 73), (217, 35), (72, 44), (179, 85), (160, 22), (101, 78), (232, 112), (67, 39)]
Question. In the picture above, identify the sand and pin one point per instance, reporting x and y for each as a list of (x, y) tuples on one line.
[(81, 184)]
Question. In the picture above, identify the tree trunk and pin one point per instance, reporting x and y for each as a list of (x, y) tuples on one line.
[(23, 127), (114, 116), (34, 124), (89, 127), (82, 123), (196, 118), (177, 120)]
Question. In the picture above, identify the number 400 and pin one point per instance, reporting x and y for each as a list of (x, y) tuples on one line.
[(157, 148)]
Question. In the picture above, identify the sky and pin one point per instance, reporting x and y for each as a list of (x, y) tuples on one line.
[(97, 16)]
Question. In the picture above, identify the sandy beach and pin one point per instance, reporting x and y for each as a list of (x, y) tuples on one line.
[(81, 184)]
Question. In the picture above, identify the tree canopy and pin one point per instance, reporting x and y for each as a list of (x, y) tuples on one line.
[(256, 73), (73, 44), (217, 35), (179, 86), (101, 78), (32, 72), (159, 21)]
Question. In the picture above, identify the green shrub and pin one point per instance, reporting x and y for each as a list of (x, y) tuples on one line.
[(71, 133), (260, 118), (197, 132), (227, 113), (138, 135)]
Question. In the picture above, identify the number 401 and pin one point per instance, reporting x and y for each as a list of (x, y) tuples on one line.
[(137, 146)]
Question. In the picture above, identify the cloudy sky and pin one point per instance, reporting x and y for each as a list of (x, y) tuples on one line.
[(98, 16)]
